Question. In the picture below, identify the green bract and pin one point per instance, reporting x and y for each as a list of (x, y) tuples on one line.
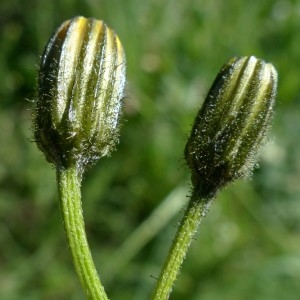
[(231, 125), (80, 90)]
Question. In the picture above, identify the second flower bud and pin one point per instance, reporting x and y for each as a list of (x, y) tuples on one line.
[(231, 126)]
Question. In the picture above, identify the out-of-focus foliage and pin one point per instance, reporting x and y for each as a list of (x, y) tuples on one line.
[(247, 248)]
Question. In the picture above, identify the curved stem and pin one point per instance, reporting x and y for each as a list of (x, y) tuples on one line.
[(69, 182), (194, 213)]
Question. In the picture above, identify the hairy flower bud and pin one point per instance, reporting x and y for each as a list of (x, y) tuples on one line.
[(80, 91), (231, 125)]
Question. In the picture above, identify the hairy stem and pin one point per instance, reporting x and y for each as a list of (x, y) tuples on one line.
[(194, 213), (69, 182)]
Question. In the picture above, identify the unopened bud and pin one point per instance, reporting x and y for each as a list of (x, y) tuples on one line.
[(80, 90), (231, 126)]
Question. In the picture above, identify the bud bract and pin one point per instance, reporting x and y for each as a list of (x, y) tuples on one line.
[(80, 91), (231, 126)]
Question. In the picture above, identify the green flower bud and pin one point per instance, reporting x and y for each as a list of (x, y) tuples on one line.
[(80, 91), (232, 124)]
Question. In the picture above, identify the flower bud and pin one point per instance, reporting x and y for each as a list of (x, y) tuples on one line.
[(232, 124), (80, 91)]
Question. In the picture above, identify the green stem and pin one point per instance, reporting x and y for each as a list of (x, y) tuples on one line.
[(194, 213), (69, 182)]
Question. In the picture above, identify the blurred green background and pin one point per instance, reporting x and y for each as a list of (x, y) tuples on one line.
[(248, 247)]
